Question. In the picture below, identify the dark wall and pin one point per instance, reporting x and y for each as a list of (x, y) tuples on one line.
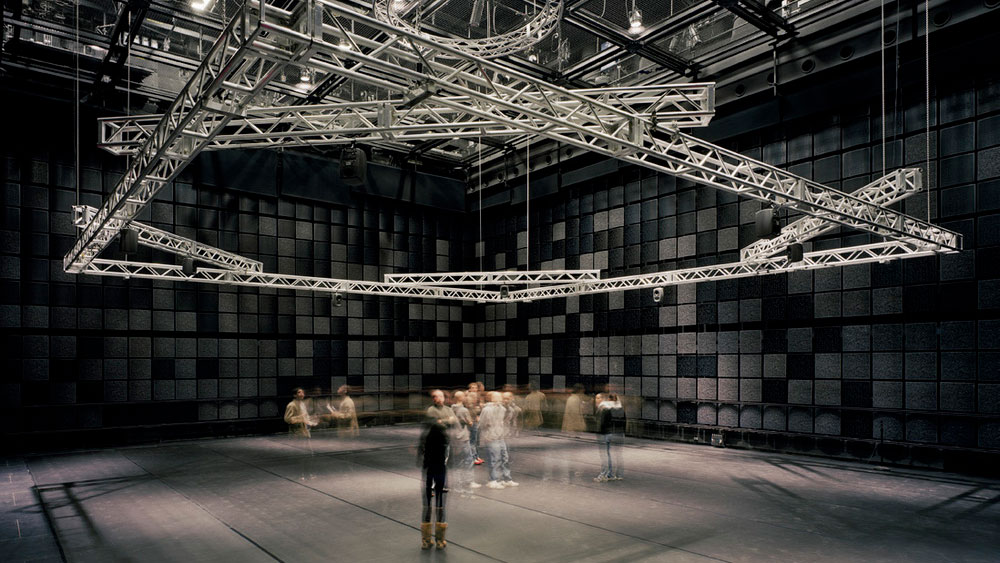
[(829, 362), (91, 360)]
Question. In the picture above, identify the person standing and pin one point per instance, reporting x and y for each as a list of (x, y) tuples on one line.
[(432, 456), (347, 415), (610, 437), (492, 432), (534, 405), (461, 450), (573, 420), (300, 426)]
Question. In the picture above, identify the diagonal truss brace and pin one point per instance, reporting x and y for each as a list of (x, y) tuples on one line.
[(887, 190), (174, 244)]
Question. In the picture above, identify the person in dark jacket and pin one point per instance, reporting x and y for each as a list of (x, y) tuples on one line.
[(432, 456), (610, 437)]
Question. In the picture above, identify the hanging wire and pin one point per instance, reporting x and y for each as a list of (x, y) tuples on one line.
[(527, 206), (927, 109), (882, 53), (482, 243), (76, 104)]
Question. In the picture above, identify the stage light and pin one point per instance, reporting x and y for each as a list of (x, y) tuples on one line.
[(635, 26), (305, 78), (338, 300), (200, 5), (128, 241), (657, 294), (187, 266)]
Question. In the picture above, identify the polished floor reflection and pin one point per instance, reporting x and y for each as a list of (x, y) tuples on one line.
[(274, 498)]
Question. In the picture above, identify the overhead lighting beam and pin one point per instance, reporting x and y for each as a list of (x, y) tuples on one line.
[(759, 16), (130, 17)]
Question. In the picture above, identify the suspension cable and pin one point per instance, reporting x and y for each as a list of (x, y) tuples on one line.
[(882, 77), (927, 109)]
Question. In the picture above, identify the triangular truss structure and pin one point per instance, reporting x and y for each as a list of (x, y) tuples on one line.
[(445, 92)]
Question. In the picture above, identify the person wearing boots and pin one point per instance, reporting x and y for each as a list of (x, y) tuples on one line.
[(432, 456)]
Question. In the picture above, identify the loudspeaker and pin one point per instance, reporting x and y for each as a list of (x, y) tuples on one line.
[(795, 252), (353, 166), (128, 241), (187, 266), (766, 223), (338, 300), (657, 294)]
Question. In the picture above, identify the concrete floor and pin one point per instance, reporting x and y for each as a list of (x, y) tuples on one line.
[(243, 499)]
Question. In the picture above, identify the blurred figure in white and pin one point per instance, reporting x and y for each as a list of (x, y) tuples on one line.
[(573, 420), (300, 426), (610, 437), (474, 402), (347, 415), (492, 432), (461, 451), (534, 406)]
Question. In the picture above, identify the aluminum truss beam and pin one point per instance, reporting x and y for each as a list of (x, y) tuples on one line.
[(672, 105), (170, 272), (887, 190), (496, 278), (500, 93), (436, 78), (174, 244), (879, 252), (234, 71)]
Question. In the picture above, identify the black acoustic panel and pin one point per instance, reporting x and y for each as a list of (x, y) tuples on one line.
[(253, 171)]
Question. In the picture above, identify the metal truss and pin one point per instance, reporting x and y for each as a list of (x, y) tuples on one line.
[(171, 272), (234, 71), (174, 244), (441, 85), (541, 25), (879, 252), (411, 286), (887, 190), (505, 95), (495, 278), (393, 122)]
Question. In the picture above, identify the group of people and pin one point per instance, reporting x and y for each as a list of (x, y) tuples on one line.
[(457, 429), (459, 426)]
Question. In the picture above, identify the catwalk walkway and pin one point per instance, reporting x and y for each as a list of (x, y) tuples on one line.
[(244, 499)]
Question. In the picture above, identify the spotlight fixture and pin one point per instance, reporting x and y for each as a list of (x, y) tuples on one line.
[(305, 78), (795, 252), (766, 223), (200, 5), (338, 300), (128, 241), (635, 26), (504, 292), (657, 294), (187, 266)]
